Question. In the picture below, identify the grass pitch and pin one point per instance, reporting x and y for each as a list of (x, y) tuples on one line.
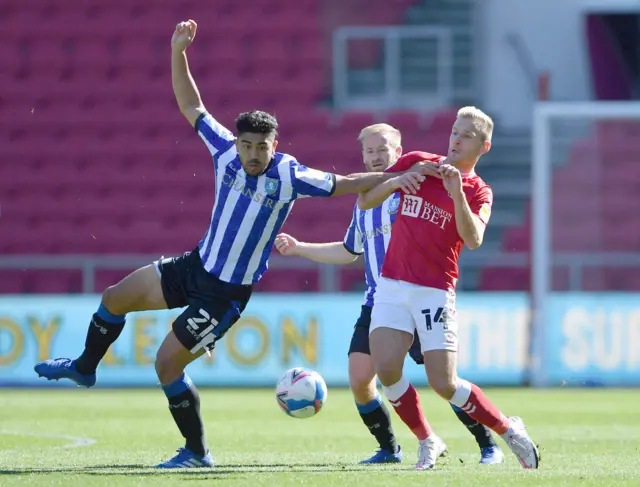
[(63, 437)]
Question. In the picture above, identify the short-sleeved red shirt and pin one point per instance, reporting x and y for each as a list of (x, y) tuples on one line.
[(425, 244)]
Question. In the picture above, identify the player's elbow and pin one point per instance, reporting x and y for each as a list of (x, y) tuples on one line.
[(342, 255), (474, 242), (349, 259)]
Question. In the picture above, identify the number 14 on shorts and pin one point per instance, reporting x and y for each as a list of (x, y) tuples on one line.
[(439, 316)]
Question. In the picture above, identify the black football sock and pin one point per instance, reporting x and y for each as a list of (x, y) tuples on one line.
[(184, 404), (104, 329), (375, 416), (481, 433)]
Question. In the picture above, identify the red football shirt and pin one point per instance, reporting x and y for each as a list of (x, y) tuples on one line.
[(425, 244)]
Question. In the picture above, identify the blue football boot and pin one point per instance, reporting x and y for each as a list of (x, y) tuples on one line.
[(384, 456), (64, 368), (491, 455), (187, 459)]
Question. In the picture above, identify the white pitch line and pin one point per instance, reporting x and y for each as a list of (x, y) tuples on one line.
[(76, 441)]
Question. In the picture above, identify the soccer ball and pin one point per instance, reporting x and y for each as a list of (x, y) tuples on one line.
[(301, 392)]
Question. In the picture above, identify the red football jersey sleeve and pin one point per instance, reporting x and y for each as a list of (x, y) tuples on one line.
[(410, 158), (481, 203)]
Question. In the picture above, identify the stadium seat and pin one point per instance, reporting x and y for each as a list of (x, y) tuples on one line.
[(14, 281)]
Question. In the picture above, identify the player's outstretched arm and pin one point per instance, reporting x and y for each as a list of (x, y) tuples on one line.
[(359, 182), (184, 87), (408, 182), (328, 253)]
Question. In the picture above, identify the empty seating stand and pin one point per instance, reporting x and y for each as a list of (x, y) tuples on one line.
[(595, 209), (95, 157)]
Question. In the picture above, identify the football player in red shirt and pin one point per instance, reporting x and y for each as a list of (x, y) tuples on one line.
[(416, 290)]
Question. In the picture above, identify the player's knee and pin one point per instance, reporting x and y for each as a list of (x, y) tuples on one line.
[(388, 366), (445, 387), (112, 300), (388, 371), (166, 368), (360, 380), (362, 386), (140, 290)]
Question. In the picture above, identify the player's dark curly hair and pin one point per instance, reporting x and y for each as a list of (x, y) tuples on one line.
[(256, 122)]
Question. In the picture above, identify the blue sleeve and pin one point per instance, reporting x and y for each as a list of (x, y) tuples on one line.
[(311, 182), (217, 138), (353, 239)]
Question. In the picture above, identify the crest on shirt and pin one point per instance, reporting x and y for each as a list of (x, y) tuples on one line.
[(394, 204), (271, 186)]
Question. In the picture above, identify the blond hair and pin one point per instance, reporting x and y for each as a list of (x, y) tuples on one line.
[(482, 121), (382, 129)]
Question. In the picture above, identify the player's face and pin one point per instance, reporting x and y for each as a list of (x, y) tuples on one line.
[(379, 152), (466, 142), (255, 151)]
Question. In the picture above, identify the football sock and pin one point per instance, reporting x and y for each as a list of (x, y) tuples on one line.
[(405, 400), (184, 404), (104, 329), (470, 398), (375, 416), (481, 433)]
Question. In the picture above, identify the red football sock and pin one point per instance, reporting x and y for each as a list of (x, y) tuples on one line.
[(405, 400), (472, 400)]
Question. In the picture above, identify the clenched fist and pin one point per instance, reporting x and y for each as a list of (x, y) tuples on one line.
[(451, 178), (184, 34), (286, 244)]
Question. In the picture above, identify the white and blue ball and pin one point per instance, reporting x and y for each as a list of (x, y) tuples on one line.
[(301, 392)]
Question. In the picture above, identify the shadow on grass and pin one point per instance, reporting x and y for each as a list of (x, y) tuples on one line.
[(222, 471)]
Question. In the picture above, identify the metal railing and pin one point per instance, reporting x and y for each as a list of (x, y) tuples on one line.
[(89, 264), (329, 275)]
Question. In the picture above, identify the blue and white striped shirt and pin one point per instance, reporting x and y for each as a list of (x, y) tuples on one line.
[(370, 232), (250, 210)]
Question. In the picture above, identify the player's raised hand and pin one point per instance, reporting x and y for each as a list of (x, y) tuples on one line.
[(286, 244), (408, 182), (184, 34), (451, 178)]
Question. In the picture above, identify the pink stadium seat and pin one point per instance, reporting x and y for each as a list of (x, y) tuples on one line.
[(13, 281), (441, 121), (611, 278), (352, 278), (500, 279), (627, 279), (106, 278), (516, 239), (289, 280), (354, 121), (515, 279), (58, 281), (405, 121)]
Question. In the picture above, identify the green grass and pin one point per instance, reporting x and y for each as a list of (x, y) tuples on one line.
[(587, 437)]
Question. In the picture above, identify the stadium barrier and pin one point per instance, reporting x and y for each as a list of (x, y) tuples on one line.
[(591, 339)]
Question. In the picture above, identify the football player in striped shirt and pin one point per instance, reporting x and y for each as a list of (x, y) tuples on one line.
[(369, 234), (255, 189)]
